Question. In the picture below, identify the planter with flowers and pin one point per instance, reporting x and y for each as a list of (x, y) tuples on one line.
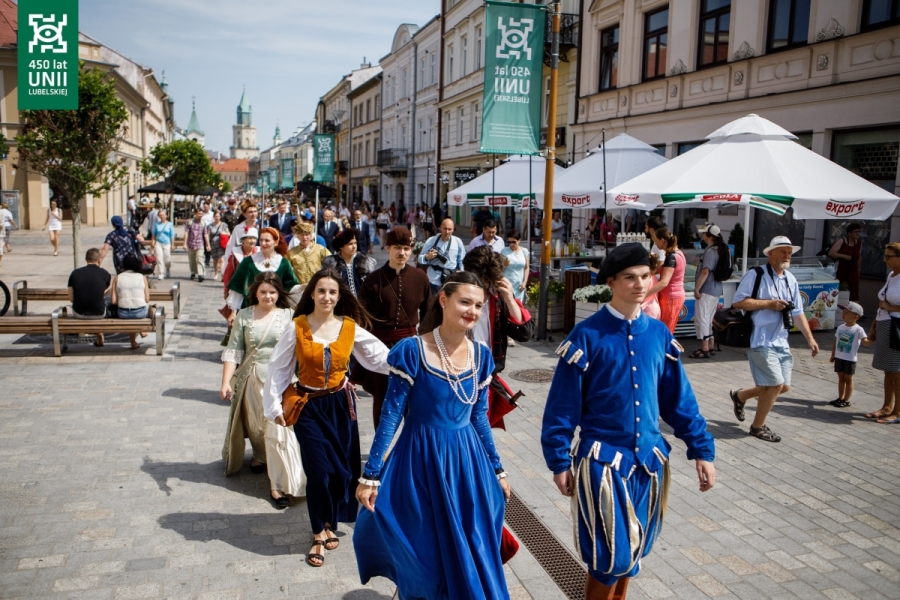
[(589, 300), (555, 292)]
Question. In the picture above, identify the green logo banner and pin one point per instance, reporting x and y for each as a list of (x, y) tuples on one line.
[(273, 179), (514, 57), (48, 54), (323, 167), (287, 173)]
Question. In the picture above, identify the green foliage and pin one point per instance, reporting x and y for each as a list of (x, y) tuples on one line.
[(555, 289), (73, 148), (308, 177), (181, 163), (685, 234), (736, 238), (4, 147)]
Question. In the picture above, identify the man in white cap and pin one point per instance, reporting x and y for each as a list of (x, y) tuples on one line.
[(775, 307)]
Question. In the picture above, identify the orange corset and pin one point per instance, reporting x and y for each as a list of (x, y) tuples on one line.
[(311, 355)]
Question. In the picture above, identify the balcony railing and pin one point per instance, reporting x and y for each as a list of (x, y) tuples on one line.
[(393, 159), (568, 35)]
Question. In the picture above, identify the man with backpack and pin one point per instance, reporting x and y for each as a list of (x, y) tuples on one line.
[(715, 267), (772, 296)]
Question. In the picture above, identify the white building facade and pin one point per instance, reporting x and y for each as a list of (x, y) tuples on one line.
[(669, 72)]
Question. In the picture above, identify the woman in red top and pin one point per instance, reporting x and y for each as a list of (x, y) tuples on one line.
[(671, 279), (846, 252)]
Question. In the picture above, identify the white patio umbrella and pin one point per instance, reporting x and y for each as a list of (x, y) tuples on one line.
[(753, 162), (581, 185), (505, 186)]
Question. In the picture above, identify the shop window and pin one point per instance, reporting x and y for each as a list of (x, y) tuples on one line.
[(873, 155), (715, 31), (609, 58), (788, 24), (656, 41), (880, 13)]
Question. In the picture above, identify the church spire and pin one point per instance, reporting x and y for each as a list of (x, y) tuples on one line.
[(194, 123), (244, 110)]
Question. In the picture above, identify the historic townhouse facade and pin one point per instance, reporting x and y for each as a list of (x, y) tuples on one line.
[(669, 72), (365, 103), (462, 87)]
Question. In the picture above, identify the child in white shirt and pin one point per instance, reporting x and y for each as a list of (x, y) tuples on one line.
[(847, 340)]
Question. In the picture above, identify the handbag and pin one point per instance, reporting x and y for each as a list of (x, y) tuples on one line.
[(895, 333), (148, 264), (223, 240), (734, 327), (292, 403)]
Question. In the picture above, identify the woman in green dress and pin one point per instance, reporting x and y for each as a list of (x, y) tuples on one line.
[(270, 258), (256, 330)]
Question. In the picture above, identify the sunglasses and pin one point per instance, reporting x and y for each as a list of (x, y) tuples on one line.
[(511, 242), (891, 255)]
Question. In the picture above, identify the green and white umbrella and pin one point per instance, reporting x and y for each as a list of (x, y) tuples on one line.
[(754, 163)]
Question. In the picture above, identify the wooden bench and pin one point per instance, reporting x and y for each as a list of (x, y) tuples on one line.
[(21, 293), (59, 325)]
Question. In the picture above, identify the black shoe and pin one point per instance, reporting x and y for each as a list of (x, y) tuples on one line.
[(257, 469), (840, 403), (280, 503), (193, 277), (200, 278), (765, 434), (738, 405)]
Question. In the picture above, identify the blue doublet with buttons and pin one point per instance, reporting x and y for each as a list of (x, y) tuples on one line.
[(615, 378)]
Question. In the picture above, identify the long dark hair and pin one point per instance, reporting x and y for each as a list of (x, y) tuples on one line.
[(347, 304), (435, 315), (719, 242), (274, 280)]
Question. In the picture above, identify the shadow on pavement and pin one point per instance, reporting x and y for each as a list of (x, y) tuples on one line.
[(365, 595), (262, 534), (727, 430), (209, 473), (200, 394), (815, 410)]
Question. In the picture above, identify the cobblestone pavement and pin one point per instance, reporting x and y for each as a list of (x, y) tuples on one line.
[(112, 486)]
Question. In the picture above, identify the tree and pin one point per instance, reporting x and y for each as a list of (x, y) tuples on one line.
[(74, 149), (182, 164)]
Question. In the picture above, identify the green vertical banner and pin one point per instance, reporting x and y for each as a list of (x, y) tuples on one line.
[(48, 54), (323, 167), (287, 173), (273, 179), (514, 58)]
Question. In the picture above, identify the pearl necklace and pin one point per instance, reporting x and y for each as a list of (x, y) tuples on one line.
[(452, 372)]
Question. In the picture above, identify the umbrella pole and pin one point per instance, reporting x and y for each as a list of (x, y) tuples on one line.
[(316, 219), (548, 180), (605, 210), (746, 248), (526, 216)]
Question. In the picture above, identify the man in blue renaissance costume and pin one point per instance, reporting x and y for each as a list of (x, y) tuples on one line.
[(618, 372)]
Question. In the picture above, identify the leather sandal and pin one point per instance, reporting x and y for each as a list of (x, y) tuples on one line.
[(331, 543), (765, 434), (311, 556), (738, 405), (700, 354)]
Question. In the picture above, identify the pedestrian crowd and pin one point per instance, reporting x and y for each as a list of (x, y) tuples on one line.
[(311, 317)]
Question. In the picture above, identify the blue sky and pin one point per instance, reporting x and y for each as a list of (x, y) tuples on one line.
[(288, 52)]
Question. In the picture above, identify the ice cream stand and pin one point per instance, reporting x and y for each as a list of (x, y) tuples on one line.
[(754, 163)]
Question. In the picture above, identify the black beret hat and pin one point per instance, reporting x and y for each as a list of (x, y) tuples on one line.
[(621, 258)]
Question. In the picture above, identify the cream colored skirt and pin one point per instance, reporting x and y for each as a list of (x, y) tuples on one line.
[(273, 444)]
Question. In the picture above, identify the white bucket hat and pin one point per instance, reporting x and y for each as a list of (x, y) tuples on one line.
[(780, 241)]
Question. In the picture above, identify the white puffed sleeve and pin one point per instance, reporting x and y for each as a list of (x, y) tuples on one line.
[(280, 372), (370, 351)]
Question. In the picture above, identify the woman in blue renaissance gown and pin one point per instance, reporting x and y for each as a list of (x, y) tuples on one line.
[(435, 528)]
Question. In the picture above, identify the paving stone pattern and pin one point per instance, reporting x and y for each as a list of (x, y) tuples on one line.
[(112, 486)]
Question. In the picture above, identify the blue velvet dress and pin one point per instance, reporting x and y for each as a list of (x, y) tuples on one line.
[(439, 513)]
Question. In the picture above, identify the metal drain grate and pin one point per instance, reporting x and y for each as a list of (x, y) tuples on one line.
[(533, 375), (563, 567)]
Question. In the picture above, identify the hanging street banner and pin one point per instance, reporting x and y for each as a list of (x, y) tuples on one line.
[(287, 173), (273, 179), (48, 55), (514, 59), (323, 166)]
